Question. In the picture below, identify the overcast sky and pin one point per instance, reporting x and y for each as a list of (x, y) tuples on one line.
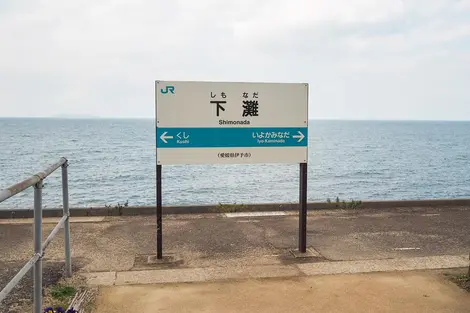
[(363, 59)]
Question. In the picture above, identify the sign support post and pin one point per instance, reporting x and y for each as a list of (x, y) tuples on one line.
[(303, 208), (159, 213)]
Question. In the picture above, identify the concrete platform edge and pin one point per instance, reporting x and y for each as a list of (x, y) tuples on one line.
[(189, 275), (225, 208)]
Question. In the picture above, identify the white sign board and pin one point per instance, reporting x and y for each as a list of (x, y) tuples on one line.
[(231, 122)]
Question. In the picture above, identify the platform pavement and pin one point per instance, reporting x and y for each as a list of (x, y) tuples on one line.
[(115, 250)]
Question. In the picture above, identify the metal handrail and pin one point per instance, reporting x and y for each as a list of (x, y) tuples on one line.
[(39, 247), (33, 180)]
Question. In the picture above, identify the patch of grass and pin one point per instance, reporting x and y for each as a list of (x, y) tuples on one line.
[(62, 292), (354, 204), (119, 208), (61, 295), (462, 280), (229, 208), (341, 204)]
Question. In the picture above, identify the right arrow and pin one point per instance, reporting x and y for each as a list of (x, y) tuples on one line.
[(163, 137), (300, 136)]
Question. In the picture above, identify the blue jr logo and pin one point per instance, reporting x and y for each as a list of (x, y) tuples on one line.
[(168, 89)]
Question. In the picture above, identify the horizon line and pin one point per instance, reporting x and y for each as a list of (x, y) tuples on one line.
[(310, 119)]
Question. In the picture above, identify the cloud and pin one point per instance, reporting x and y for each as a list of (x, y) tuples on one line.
[(281, 17), (363, 58)]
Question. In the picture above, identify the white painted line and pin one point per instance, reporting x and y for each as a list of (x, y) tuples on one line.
[(248, 221), (255, 214), (404, 249), (431, 214)]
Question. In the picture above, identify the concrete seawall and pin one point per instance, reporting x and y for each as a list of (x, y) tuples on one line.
[(225, 208)]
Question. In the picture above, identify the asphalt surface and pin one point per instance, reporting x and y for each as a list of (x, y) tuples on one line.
[(124, 243)]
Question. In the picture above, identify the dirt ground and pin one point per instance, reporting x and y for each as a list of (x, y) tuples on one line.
[(379, 292), (21, 297)]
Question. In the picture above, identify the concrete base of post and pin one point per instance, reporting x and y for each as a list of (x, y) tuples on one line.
[(309, 253), (165, 260)]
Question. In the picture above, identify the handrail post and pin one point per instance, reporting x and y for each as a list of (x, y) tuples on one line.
[(65, 197), (36, 181), (38, 247)]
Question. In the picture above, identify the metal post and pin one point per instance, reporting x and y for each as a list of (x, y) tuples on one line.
[(38, 247), (65, 198), (159, 213), (303, 208)]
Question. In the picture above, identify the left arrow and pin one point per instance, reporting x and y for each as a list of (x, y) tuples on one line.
[(164, 137)]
